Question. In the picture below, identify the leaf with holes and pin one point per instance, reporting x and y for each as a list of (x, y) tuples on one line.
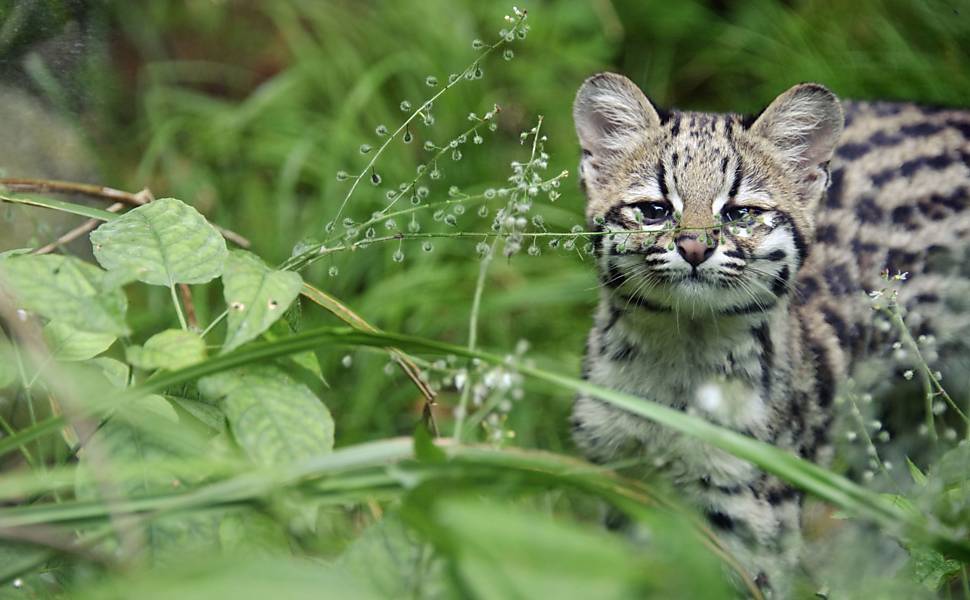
[(171, 349), (66, 289), (69, 344), (275, 419), (256, 295), (163, 242)]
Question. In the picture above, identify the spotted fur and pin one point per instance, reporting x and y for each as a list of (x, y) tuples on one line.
[(735, 257)]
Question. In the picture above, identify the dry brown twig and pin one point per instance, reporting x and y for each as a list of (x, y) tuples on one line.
[(51, 186)]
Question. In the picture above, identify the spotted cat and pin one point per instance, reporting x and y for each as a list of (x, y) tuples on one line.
[(735, 263)]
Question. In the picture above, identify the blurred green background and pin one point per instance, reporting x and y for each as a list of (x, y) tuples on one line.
[(248, 110)]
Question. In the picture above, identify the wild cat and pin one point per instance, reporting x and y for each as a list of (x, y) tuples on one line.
[(734, 278)]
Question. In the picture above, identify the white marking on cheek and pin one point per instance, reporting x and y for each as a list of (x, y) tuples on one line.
[(779, 239)]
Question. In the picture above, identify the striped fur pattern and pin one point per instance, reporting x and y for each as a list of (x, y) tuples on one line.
[(735, 259)]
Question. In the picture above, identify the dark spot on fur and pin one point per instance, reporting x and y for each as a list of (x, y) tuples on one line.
[(853, 151), (779, 287), (921, 129), (720, 520), (827, 234), (833, 198), (838, 279), (868, 211)]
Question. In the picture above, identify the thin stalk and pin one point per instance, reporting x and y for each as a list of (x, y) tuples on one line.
[(460, 412), (178, 308)]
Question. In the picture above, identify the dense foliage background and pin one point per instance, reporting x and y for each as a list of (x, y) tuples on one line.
[(248, 110)]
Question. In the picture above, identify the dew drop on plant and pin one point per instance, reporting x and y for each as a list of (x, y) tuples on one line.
[(431, 81), (569, 244), (343, 175), (423, 192), (375, 178), (370, 233), (451, 220), (456, 154), (407, 138), (478, 74), (508, 54), (427, 246), (478, 44), (429, 146), (381, 130), (390, 224), (492, 126), (452, 78), (365, 148), (554, 243), (347, 361), (435, 174), (490, 193), (405, 106), (481, 248), (438, 215), (459, 209), (398, 256), (428, 119), (414, 226), (483, 211), (389, 369), (329, 227), (333, 271), (477, 139), (534, 250), (415, 200), (348, 222)]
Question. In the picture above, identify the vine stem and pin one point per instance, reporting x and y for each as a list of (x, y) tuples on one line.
[(178, 308)]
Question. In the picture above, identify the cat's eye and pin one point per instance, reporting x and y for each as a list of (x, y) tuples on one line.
[(653, 212), (740, 213)]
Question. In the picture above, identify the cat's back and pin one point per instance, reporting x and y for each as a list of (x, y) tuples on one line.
[(898, 201)]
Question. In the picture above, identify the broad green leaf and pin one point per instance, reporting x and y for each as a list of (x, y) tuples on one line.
[(145, 438), (164, 242), (306, 361), (69, 344), (931, 568), (171, 349), (116, 372), (542, 557), (275, 419), (207, 414), (66, 289), (256, 296)]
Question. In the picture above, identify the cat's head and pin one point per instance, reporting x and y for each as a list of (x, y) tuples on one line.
[(702, 211)]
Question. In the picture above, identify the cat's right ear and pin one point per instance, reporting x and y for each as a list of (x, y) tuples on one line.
[(610, 112)]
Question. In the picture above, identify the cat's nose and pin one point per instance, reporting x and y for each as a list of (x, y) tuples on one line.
[(694, 252)]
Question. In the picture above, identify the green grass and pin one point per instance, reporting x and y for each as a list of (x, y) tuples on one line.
[(247, 111)]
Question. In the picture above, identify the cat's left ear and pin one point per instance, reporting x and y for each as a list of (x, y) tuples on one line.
[(804, 124)]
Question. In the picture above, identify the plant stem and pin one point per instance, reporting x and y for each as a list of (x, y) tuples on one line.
[(178, 308), (462, 409)]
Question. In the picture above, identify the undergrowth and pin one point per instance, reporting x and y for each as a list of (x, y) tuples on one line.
[(183, 416)]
